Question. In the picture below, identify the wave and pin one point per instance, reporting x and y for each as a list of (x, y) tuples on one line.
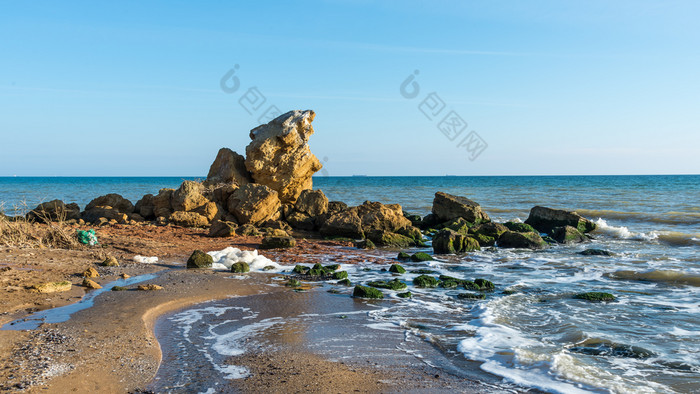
[(672, 217), (673, 238), (659, 276)]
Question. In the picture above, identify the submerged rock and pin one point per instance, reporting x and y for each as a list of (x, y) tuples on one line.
[(199, 259), (279, 155), (405, 295), (448, 207), (345, 282), (596, 252), (471, 296), (595, 296), (393, 284), (546, 219), (340, 275), (367, 292), (511, 239)]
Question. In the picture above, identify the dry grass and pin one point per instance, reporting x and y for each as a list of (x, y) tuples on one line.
[(18, 231)]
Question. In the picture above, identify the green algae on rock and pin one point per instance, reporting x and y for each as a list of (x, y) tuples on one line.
[(367, 292), (426, 281), (421, 256), (397, 269), (240, 267), (199, 259), (595, 296), (406, 294), (393, 284)]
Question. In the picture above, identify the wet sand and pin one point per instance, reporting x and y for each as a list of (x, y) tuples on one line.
[(111, 347)]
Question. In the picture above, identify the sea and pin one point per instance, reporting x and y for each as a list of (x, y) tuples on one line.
[(530, 333)]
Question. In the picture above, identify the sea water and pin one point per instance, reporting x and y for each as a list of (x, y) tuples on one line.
[(535, 334)]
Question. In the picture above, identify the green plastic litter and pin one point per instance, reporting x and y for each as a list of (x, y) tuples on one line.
[(87, 237)]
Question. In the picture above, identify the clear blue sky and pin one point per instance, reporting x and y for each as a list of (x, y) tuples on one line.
[(553, 87)]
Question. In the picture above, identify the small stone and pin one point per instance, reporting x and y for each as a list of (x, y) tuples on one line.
[(149, 287), (125, 276), (110, 261), (595, 296), (367, 292), (119, 288), (91, 284), (421, 256), (91, 272), (53, 287), (199, 259), (397, 269), (240, 268)]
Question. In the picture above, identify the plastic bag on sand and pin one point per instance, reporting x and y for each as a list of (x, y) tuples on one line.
[(145, 260), (87, 237), (224, 259)]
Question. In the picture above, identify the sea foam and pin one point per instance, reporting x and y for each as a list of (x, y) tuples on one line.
[(224, 259)]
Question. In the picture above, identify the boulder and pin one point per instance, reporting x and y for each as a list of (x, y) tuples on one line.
[(519, 227), (278, 243), (365, 244), (228, 167), (596, 252), (397, 269), (210, 210), (161, 203), (279, 156), (91, 284), (377, 216), (367, 292), (512, 239), (240, 267), (546, 219), (188, 197), (110, 261), (94, 214), (52, 287), (336, 206), (301, 221), (448, 241), (448, 207), (199, 259), (254, 204), (387, 238), (421, 256), (248, 230), (491, 229), (54, 211), (568, 235), (144, 207), (221, 193), (221, 228), (91, 272), (117, 202), (459, 225), (312, 203), (188, 219), (343, 224)]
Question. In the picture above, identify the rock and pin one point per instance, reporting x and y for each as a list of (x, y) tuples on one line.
[(221, 193), (91, 272), (416, 220), (91, 284), (393, 284), (221, 229), (403, 256), (386, 238), (93, 215), (397, 269), (412, 233), (110, 261), (161, 203), (240, 267), (459, 225), (161, 221), (301, 221), (279, 156), (274, 232), (425, 281), (596, 252), (367, 292), (491, 229), (520, 227), (405, 295), (228, 167), (149, 287), (345, 282), (340, 275), (278, 243), (337, 206), (210, 210), (448, 207), (595, 296), (254, 204), (135, 217), (113, 200), (188, 219), (421, 256), (484, 240), (430, 220), (312, 203), (276, 224), (511, 239), (568, 235), (144, 207), (378, 216), (484, 285), (546, 219), (293, 283), (248, 230), (119, 288), (471, 296), (188, 197), (55, 210), (199, 259), (365, 244), (450, 242), (343, 224), (53, 287), (125, 276)]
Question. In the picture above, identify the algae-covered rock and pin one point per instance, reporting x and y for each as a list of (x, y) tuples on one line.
[(484, 285), (406, 294), (403, 256), (240, 267), (471, 296), (340, 275), (484, 240), (332, 267), (546, 219), (393, 284), (278, 243), (248, 230), (425, 281), (424, 271), (386, 238), (199, 259), (367, 292), (421, 256), (459, 225), (595, 296), (345, 282), (596, 252), (568, 235), (519, 227), (397, 269), (91, 284), (53, 287), (490, 229), (365, 244), (301, 269), (450, 242), (110, 261), (511, 239), (450, 282), (293, 283)]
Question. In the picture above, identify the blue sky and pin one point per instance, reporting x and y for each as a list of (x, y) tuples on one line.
[(552, 87)]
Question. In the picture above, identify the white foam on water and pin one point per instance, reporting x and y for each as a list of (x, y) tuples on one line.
[(146, 260), (230, 343), (679, 332), (224, 259), (622, 232)]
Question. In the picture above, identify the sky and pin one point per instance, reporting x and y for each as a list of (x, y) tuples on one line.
[(156, 88)]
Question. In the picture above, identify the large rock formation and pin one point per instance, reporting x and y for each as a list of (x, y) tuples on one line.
[(116, 201), (228, 168), (54, 210), (254, 204), (279, 156), (188, 197), (447, 207), (546, 219)]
